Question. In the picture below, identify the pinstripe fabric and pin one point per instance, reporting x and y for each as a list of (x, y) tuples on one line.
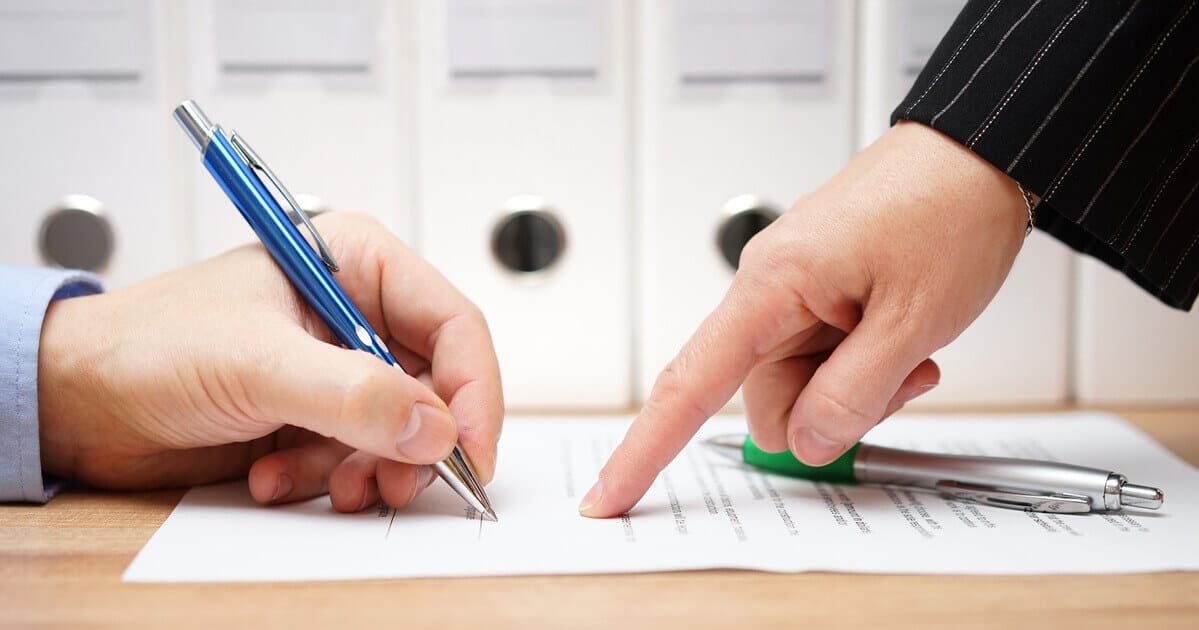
[(1094, 106)]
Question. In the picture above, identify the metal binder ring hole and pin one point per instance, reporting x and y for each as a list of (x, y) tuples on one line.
[(529, 238), (745, 216), (76, 234)]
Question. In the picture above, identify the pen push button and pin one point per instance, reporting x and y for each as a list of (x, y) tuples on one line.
[(744, 216)]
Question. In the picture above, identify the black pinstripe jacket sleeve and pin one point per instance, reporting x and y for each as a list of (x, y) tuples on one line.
[(1094, 106)]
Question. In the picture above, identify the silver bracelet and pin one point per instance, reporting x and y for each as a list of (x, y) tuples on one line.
[(1030, 202)]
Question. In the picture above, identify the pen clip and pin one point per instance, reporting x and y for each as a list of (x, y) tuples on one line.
[(1027, 500), (252, 158)]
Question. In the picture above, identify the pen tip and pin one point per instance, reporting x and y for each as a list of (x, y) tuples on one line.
[(490, 516)]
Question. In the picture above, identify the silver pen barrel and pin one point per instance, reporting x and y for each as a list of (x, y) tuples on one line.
[(1008, 482)]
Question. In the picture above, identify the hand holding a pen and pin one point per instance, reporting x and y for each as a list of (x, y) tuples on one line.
[(220, 370), (836, 307)]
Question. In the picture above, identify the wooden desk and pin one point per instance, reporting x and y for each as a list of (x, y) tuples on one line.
[(61, 564)]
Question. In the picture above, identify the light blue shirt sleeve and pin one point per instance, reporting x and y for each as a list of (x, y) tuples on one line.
[(25, 292)]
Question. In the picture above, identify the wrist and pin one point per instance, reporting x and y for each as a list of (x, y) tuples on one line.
[(62, 376), (967, 178)]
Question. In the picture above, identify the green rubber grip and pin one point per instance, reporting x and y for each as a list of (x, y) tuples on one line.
[(840, 470)]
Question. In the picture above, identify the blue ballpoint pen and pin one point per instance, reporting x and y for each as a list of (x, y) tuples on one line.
[(232, 163)]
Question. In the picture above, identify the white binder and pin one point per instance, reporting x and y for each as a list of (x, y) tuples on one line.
[(1017, 351), (322, 90), (1129, 348), (742, 106), (86, 174), (524, 198)]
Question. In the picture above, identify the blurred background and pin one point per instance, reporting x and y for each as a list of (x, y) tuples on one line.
[(586, 171)]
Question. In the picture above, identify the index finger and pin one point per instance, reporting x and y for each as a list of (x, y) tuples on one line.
[(424, 312), (695, 385), (466, 374)]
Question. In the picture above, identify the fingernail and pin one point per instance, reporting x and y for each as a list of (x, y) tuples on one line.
[(424, 476), (814, 449), (283, 486), (592, 498), (918, 391), (429, 435), (370, 494)]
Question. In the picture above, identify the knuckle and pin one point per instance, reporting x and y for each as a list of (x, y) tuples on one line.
[(837, 418), (772, 270), (361, 392), (671, 396), (756, 251), (475, 316), (669, 384)]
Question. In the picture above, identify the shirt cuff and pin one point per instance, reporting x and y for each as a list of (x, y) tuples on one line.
[(24, 295)]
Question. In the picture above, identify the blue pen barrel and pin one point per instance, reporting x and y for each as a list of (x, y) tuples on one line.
[(232, 163), (287, 245)]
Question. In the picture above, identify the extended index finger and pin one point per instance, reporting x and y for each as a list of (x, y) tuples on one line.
[(695, 385)]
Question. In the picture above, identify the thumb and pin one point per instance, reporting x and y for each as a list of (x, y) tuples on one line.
[(855, 388), (355, 398)]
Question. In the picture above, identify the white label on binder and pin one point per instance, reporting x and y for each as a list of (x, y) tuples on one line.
[(924, 24), (72, 39), (776, 41), (294, 35), (497, 38)]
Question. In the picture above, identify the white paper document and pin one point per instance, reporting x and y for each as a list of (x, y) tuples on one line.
[(704, 511)]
